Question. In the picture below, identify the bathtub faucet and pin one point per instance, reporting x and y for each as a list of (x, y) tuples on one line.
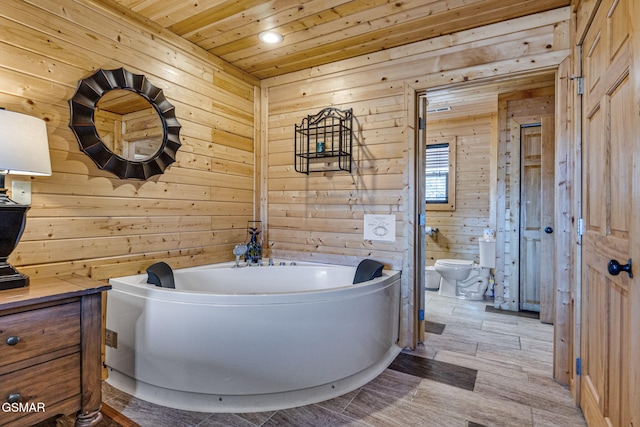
[(238, 251)]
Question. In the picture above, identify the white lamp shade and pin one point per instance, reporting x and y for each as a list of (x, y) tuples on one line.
[(24, 147)]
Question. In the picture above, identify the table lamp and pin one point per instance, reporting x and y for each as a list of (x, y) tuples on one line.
[(24, 150)]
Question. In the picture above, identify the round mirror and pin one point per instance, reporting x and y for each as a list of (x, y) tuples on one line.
[(124, 124), (128, 125)]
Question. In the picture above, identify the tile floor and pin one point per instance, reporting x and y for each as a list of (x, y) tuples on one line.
[(475, 368)]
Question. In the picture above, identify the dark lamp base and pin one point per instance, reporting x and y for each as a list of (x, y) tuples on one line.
[(12, 220), (10, 278)]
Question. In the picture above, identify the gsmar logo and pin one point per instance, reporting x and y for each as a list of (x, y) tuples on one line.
[(23, 407)]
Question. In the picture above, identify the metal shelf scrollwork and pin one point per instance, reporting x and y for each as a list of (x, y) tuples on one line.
[(323, 142)]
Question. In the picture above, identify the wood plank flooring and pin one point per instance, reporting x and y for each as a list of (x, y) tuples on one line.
[(476, 368)]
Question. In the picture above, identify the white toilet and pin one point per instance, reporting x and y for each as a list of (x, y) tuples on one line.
[(465, 279)]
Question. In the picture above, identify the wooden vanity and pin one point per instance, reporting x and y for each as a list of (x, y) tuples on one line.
[(50, 343)]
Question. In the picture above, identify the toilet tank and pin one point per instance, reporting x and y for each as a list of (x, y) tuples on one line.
[(487, 252)]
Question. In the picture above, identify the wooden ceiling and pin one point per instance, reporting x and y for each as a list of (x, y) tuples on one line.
[(318, 32)]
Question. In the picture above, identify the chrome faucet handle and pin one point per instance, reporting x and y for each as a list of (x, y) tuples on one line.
[(240, 250)]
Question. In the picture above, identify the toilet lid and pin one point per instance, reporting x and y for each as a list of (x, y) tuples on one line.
[(455, 262)]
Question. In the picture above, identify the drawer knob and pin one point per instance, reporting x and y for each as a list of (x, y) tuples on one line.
[(13, 397), (13, 340)]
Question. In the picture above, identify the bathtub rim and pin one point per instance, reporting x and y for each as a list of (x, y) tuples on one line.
[(136, 285)]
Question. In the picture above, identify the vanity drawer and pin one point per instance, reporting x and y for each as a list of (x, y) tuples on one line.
[(36, 332), (43, 385)]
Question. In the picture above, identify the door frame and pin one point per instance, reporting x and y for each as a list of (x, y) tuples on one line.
[(563, 354), (545, 121)]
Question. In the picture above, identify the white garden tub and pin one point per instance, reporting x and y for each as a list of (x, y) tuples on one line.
[(252, 338)]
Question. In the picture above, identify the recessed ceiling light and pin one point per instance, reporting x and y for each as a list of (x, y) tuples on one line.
[(270, 37)]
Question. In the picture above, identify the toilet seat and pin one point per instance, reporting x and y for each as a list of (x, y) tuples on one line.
[(454, 262)]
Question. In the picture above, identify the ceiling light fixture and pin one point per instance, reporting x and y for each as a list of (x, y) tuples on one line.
[(439, 109), (270, 37)]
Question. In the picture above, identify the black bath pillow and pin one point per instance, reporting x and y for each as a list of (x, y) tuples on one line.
[(160, 274), (367, 269)]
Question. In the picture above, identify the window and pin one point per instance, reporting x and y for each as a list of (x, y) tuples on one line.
[(440, 176)]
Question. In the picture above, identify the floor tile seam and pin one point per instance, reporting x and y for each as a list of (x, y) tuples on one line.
[(396, 400), (210, 415), (550, 377), (530, 338), (577, 415), (526, 366), (433, 362), (411, 401), (527, 325), (377, 391), (481, 361), (213, 415), (485, 341), (559, 391), (426, 384), (478, 359), (342, 413), (509, 365), (529, 353), (501, 332), (352, 399), (265, 421), (497, 398), (394, 397), (553, 410), (535, 384), (556, 408), (456, 332)]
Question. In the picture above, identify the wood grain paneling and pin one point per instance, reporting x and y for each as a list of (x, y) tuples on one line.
[(320, 32), (318, 216), (82, 218), (460, 228), (85, 220)]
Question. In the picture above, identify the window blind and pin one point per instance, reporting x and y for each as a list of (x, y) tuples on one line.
[(437, 173)]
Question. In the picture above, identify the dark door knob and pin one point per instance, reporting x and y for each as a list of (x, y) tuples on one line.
[(614, 267), (548, 230)]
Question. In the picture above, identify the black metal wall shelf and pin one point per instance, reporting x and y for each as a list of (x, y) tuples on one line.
[(323, 142)]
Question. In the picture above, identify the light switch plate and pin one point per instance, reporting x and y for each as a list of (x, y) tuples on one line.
[(21, 192)]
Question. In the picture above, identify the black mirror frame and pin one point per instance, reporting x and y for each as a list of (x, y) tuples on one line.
[(81, 122)]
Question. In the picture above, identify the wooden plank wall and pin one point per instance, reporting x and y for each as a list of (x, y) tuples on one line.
[(86, 221), (319, 216), (459, 229)]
